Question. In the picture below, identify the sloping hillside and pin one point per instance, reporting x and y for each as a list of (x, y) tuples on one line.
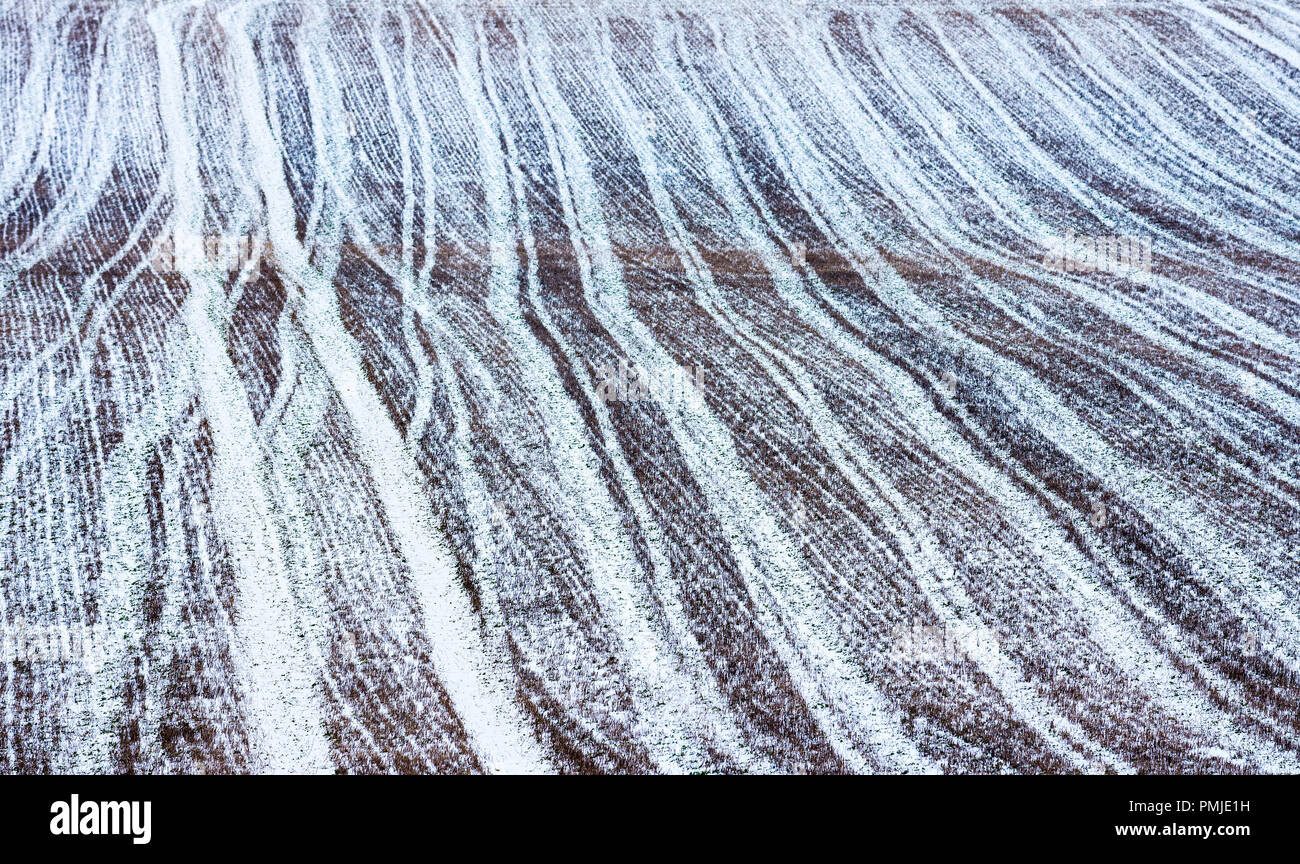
[(621, 387)]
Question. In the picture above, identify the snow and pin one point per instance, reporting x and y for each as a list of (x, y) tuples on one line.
[(830, 215)]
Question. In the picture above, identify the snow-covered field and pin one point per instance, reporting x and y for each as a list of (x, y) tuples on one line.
[(620, 387)]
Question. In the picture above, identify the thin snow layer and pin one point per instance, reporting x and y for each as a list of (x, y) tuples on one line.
[(626, 387)]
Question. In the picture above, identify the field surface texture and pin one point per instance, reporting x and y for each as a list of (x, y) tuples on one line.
[(616, 387)]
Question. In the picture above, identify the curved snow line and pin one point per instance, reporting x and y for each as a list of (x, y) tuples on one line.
[(466, 666)]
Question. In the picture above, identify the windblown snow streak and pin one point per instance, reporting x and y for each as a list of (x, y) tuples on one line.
[(848, 387)]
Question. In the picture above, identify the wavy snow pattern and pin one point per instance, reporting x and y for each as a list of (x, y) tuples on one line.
[(372, 497)]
